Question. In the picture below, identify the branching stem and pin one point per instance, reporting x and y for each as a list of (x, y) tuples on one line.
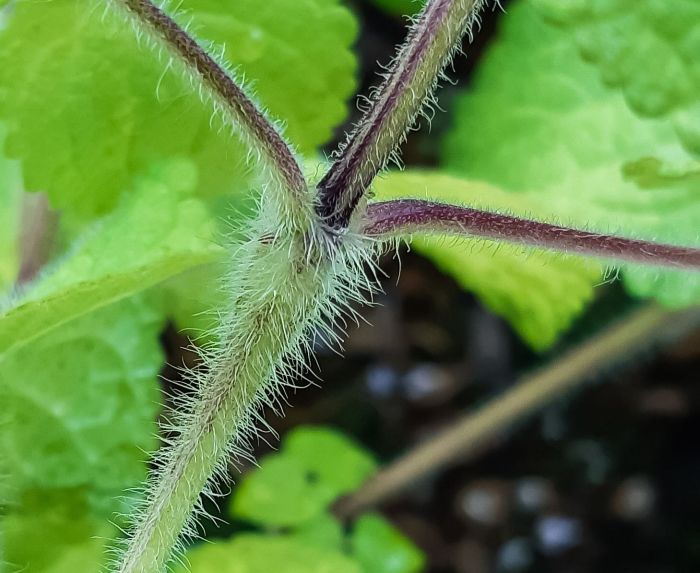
[(395, 105), (404, 216), (225, 92)]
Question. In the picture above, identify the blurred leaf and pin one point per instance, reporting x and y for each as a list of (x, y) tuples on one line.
[(79, 403), (279, 493), (10, 210), (547, 127), (55, 536), (539, 292), (381, 548), (158, 231), (647, 48), (81, 136), (296, 485), (322, 531), (263, 554), (193, 299), (315, 446)]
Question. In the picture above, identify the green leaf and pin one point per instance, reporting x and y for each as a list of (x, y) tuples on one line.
[(647, 48), (381, 548), (295, 486), (80, 402), (192, 299), (538, 121), (314, 446), (279, 494), (262, 554), (10, 210), (54, 535), (158, 231), (323, 531), (90, 107), (538, 292)]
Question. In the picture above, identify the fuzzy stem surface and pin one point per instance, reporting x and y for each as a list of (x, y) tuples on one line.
[(244, 115), (405, 216), (429, 47), (287, 284)]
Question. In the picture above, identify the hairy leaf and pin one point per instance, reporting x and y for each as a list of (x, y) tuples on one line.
[(539, 121), (381, 548), (538, 292), (647, 48), (262, 554), (158, 231), (90, 107), (81, 401)]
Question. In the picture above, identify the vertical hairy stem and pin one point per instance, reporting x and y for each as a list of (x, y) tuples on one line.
[(188, 466), (395, 105), (262, 337), (223, 90), (286, 283)]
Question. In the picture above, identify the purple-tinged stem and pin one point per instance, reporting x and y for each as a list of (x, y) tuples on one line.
[(245, 114), (405, 216), (394, 105)]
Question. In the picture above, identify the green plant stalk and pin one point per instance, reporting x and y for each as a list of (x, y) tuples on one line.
[(286, 284)]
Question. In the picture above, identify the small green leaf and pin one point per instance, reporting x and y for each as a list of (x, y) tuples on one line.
[(80, 402), (158, 231), (547, 127), (279, 494), (313, 447), (539, 292), (295, 486), (647, 48), (90, 107), (263, 554), (381, 548)]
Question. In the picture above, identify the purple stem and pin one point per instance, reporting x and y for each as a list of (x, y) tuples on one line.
[(394, 106), (404, 216), (220, 82)]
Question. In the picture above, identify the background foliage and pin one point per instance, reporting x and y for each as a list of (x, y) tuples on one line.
[(585, 113)]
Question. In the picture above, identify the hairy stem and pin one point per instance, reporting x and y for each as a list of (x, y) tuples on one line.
[(188, 466), (471, 433), (287, 283), (224, 92), (395, 105), (404, 216)]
